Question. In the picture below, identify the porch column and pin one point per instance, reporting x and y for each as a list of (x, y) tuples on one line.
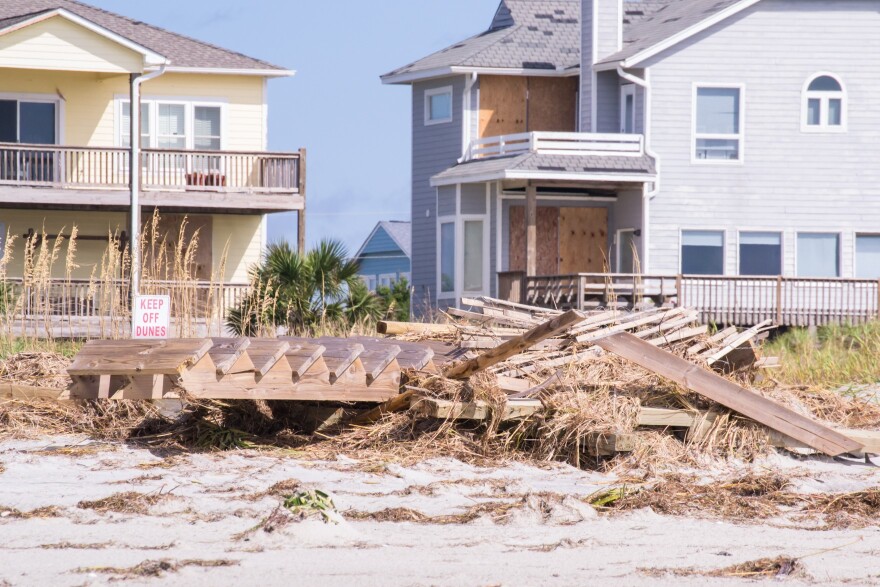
[(301, 214), (531, 230)]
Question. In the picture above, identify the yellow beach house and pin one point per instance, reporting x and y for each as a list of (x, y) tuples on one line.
[(67, 75)]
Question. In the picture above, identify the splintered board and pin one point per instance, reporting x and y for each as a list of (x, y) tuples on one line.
[(325, 369)]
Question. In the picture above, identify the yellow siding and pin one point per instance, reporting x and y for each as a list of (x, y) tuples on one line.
[(58, 44), (242, 233), (241, 237), (89, 102)]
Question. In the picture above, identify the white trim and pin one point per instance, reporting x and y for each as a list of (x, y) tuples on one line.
[(837, 233), (594, 49), (688, 33), (189, 104), (617, 254), (545, 176), (60, 111), (824, 98), (739, 137), (724, 243), (738, 256), (150, 57), (265, 115), (426, 74), (230, 71), (427, 108), (507, 195), (458, 221)]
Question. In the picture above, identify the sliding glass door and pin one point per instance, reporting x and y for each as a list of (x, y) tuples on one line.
[(28, 123)]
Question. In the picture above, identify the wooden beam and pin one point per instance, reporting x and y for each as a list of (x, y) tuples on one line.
[(389, 327), (442, 409), (512, 347), (531, 230), (729, 394), (301, 214)]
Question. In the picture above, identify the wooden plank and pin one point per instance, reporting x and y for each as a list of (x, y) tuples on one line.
[(664, 417), (598, 444), (226, 352), (135, 357), (391, 327), (376, 358), (515, 409), (551, 328), (502, 105), (396, 403), (11, 391), (340, 356), (737, 341), (264, 353), (583, 240), (413, 355), (301, 356), (629, 325), (728, 394), (678, 336)]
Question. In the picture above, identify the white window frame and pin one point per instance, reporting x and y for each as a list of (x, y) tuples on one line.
[(839, 251), (781, 234), (618, 248), (189, 104), (824, 98), (724, 243), (740, 136), (458, 220), (437, 92), (43, 99), (625, 91)]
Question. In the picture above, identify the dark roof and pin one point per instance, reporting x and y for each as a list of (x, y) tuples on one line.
[(182, 51), (668, 18), (542, 163), (525, 34)]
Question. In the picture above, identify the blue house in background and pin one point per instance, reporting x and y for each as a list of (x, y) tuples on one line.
[(385, 256)]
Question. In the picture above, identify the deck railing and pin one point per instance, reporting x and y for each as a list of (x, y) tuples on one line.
[(740, 300), (61, 166), (557, 143)]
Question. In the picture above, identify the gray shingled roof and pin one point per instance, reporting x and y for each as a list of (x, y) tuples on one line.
[(548, 164), (180, 50), (525, 34), (401, 232), (667, 19)]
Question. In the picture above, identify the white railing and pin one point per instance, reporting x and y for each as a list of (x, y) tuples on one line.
[(557, 143)]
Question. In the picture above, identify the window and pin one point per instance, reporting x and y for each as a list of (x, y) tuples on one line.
[(818, 254), (702, 252), (868, 256), (171, 130), (718, 124), (473, 255), (438, 106), (628, 108), (447, 257), (29, 122), (206, 132), (824, 102), (125, 125), (760, 253)]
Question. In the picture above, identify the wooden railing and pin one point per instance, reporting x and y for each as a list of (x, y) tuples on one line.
[(740, 300), (161, 169), (557, 143)]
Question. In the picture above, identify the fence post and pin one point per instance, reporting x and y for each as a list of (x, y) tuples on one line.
[(778, 300), (580, 292), (678, 291), (878, 299)]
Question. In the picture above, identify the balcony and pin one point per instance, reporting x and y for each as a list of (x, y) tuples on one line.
[(227, 180), (557, 143)]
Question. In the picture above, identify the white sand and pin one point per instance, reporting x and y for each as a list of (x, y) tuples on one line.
[(558, 541)]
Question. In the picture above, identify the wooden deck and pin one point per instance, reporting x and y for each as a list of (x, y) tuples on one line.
[(736, 300)]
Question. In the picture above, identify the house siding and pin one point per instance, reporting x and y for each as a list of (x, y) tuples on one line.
[(608, 93), (789, 180), (587, 77), (382, 256), (435, 148)]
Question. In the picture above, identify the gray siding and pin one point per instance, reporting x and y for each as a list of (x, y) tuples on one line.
[(435, 148), (610, 23), (789, 180), (608, 94), (586, 90)]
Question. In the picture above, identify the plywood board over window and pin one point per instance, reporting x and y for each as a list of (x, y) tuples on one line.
[(548, 239), (583, 240), (552, 104), (502, 105), (513, 104)]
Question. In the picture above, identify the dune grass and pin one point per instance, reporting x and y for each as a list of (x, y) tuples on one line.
[(832, 357)]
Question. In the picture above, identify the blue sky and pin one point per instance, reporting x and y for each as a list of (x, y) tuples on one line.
[(356, 130)]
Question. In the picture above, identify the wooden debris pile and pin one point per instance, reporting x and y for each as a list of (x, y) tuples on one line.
[(522, 346)]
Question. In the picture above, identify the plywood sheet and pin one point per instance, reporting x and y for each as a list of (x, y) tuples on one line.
[(502, 105), (548, 239), (583, 240), (552, 104)]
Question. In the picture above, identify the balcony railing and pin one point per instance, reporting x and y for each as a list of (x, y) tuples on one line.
[(557, 143), (161, 169), (740, 300)]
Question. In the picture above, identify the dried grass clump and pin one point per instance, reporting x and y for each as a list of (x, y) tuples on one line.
[(778, 567), (858, 509), (128, 502), (43, 512), (38, 369), (834, 407), (155, 568), (104, 420)]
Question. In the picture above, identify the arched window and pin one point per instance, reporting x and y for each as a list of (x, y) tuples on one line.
[(824, 103)]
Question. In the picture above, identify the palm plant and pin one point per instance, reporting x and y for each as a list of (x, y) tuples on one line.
[(299, 291)]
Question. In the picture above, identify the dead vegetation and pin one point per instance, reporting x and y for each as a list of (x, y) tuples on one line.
[(155, 568), (778, 567), (43, 512), (128, 502)]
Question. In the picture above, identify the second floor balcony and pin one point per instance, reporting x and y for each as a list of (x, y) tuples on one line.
[(557, 143), (72, 175)]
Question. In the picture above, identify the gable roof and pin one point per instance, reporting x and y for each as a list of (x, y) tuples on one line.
[(400, 232), (183, 52), (542, 36), (670, 24)]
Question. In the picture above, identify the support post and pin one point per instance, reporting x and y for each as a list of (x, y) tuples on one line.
[(134, 179), (301, 215), (531, 230), (779, 300)]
